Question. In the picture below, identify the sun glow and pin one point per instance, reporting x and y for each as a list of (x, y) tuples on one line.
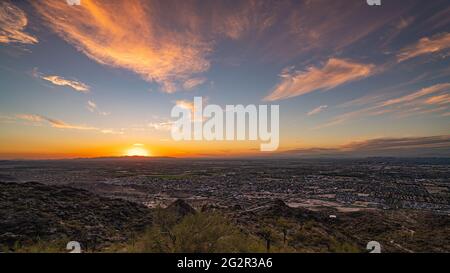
[(137, 150)]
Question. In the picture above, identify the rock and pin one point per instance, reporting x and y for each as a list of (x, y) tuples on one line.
[(31, 211), (180, 208)]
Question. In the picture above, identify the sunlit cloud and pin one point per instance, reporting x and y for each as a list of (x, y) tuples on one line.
[(441, 99), (60, 81), (13, 22), (317, 110), (63, 125), (172, 46), (425, 45), (185, 104), (334, 73), (413, 103), (418, 94), (165, 53)]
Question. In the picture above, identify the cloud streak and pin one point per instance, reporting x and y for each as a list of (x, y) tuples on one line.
[(401, 146), (334, 73), (60, 81), (415, 102), (92, 107), (399, 143), (425, 46), (317, 110), (59, 124), (165, 53), (192, 83), (169, 42), (53, 122), (13, 22)]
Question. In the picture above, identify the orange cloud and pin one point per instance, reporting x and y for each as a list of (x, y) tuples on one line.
[(421, 93), (60, 81), (441, 99), (13, 21), (425, 46), (334, 73), (144, 44)]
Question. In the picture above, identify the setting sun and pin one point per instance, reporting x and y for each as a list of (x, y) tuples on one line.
[(137, 150)]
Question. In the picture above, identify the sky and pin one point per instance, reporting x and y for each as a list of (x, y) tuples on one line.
[(100, 78)]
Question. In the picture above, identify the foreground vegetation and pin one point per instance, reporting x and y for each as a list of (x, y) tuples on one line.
[(210, 232), (39, 218)]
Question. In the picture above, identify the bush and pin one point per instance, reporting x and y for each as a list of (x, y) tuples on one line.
[(197, 233)]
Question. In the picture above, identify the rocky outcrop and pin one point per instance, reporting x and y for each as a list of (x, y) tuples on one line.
[(180, 208), (33, 211)]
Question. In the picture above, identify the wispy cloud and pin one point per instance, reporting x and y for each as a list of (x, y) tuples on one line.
[(60, 81), (53, 122), (30, 117), (441, 99), (317, 110), (418, 94), (415, 102), (39, 120), (185, 104), (399, 143), (161, 125), (13, 22), (171, 43), (334, 73), (165, 53), (424, 46), (394, 146), (192, 83), (92, 107)]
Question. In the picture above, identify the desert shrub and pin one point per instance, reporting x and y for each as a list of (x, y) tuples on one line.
[(197, 233)]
